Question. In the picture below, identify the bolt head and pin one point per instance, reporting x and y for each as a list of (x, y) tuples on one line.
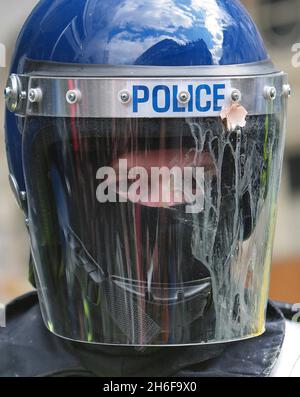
[(73, 96), (31, 96), (124, 96), (35, 95), (270, 93), (23, 95), (286, 90), (236, 95), (184, 97)]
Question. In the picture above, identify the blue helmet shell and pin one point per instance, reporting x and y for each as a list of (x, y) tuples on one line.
[(132, 32)]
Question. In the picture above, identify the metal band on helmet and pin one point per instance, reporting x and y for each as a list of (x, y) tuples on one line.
[(107, 97)]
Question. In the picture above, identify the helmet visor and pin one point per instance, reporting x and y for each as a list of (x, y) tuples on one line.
[(153, 230)]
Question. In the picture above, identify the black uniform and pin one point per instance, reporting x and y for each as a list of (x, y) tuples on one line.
[(28, 349)]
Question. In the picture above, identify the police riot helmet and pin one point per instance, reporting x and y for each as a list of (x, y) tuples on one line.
[(145, 142)]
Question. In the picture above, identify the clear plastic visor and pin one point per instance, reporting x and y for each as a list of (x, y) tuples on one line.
[(153, 230)]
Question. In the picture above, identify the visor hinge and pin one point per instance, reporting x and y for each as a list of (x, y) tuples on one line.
[(15, 93)]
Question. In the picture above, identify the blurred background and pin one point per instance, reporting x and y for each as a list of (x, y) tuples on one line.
[(279, 23)]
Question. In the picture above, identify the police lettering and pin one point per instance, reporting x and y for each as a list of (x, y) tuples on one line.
[(163, 98)]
